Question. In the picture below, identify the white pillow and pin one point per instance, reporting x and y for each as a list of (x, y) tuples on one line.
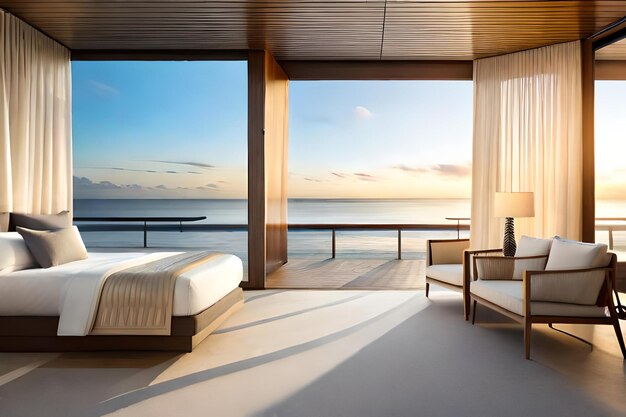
[(14, 255), (532, 246), (569, 254)]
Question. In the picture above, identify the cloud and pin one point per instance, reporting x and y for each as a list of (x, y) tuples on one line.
[(312, 179), (86, 188), (193, 164), (444, 170), (103, 89), (150, 171), (407, 168), (125, 169), (365, 177), (451, 170), (357, 175), (361, 112)]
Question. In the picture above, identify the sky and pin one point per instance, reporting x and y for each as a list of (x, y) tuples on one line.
[(610, 152), (159, 129), (179, 130)]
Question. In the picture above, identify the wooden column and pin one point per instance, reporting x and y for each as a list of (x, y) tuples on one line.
[(268, 92), (589, 184)]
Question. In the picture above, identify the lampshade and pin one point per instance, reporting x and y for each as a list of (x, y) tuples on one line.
[(514, 205)]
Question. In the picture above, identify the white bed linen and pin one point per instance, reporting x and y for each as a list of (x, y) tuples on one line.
[(71, 290)]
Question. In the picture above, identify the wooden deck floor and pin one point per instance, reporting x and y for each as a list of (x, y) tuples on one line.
[(349, 274)]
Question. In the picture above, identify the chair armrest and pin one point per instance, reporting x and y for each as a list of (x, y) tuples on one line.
[(449, 251), (573, 286), (505, 268), (484, 251), (468, 264)]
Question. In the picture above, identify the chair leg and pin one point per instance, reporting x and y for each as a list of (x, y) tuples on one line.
[(528, 327), (466, 306), (474, 304), (427, 289), (620, 337)]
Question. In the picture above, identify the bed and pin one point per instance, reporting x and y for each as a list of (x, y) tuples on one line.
[(47, 309)]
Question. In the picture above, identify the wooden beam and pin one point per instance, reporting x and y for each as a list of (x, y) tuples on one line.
[(610, 70), (612, 33), (256, 170), (589, 184), (267, 167), (378, 70), (157, 55)]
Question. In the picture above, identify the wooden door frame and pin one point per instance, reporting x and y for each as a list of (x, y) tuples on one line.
[(610, 34)]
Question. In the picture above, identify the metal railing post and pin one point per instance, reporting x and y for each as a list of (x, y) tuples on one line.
[(399, 243), (334, 244), (145, 234)]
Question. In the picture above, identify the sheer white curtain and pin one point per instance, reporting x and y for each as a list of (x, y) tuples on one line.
[(528, 137), (35, 120)]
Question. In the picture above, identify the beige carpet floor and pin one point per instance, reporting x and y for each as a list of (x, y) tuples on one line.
[(335, 353)]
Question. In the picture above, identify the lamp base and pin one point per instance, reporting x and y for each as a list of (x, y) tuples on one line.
[(508, 245)]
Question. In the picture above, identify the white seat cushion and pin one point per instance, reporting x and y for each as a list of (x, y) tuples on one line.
[(510, 296), (450, 273)]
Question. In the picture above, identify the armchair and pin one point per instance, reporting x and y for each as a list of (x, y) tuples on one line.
[(448, 265), (444, 263), (582, 296)]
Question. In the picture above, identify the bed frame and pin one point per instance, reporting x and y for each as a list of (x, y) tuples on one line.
[(39, 334)]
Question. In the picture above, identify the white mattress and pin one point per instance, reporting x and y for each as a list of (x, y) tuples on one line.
[(40, 292)]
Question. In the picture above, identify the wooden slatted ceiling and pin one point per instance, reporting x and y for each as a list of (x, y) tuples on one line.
[(615, 51), (320, 29)]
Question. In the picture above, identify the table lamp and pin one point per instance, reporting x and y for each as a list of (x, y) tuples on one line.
[(511, 205)]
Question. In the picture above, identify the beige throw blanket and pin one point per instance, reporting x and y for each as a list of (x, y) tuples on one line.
[(139, 300)]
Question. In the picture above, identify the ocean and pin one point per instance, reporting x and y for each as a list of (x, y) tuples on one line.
[(350, 244)]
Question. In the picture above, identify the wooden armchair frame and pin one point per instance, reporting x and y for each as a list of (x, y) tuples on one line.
[(467, 274)]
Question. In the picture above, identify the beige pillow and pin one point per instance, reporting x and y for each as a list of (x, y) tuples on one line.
[(4, 222), (40, 221), (532, 246), (569, 254), (54, 247)]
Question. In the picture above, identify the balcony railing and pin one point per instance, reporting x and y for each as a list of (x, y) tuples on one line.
[(140, 222), (129, 224), (180, 224), (611, 227)]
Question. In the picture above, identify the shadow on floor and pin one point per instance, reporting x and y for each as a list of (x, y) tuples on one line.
[(435, 364)]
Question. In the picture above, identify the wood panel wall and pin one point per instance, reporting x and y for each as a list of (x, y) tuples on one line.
[(588, 163), (610, 70), (267, 167), (276, 152)]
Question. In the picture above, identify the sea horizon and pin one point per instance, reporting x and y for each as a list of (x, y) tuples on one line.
[(371, 244)]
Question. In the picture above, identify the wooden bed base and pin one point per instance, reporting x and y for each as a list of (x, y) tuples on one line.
[(39, 334)]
